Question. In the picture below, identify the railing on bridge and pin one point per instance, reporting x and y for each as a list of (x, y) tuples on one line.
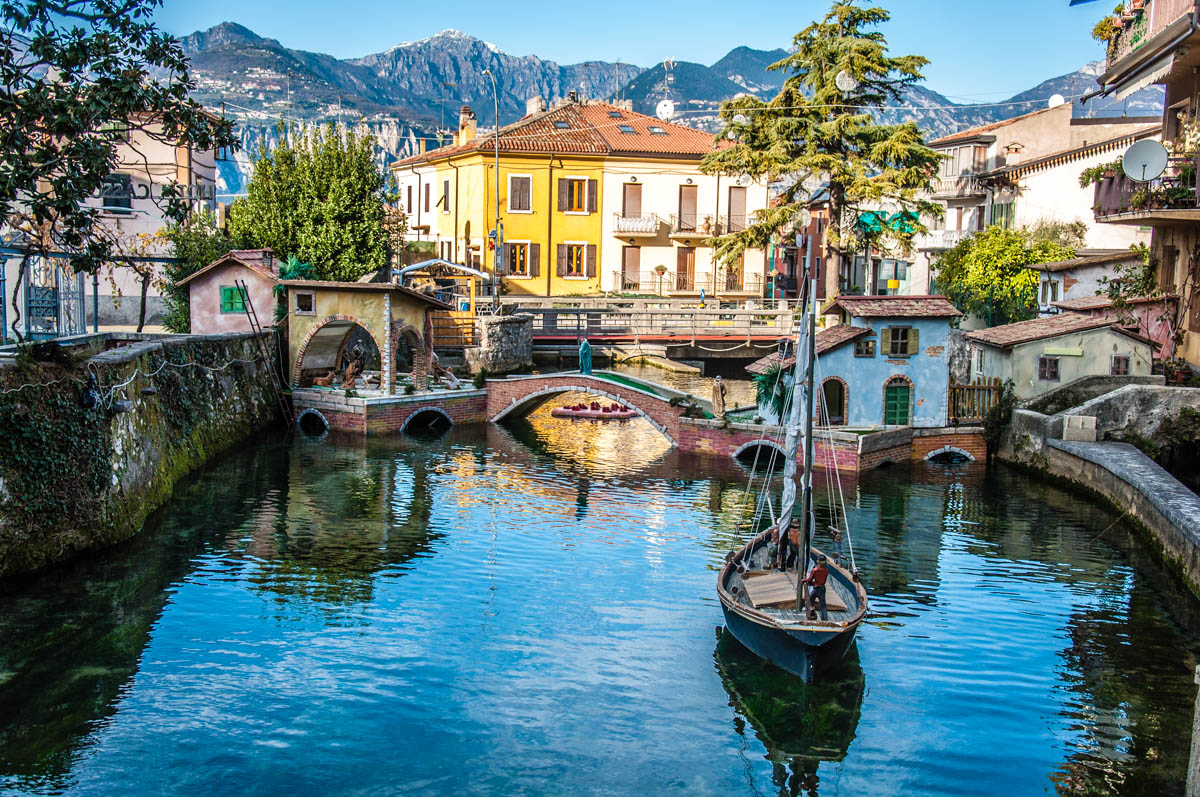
[(616, 323), (971, 403)]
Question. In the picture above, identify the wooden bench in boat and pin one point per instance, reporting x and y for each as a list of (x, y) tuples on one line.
[(766, 589)]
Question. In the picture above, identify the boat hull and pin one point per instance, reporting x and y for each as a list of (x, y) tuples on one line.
[(805, 654)]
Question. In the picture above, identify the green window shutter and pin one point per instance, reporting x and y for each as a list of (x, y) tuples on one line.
[(231, 300), (885, 341), (913, 346)]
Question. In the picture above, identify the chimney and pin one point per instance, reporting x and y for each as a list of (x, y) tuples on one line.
[(534, 105), (466, 125), (421, 146), (572, 96), (624, 105)]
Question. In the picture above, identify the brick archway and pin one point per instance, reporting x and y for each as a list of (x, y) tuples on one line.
[(298, 364), (420, 352), (822, 410)]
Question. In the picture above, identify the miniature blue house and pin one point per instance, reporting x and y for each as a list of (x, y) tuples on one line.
[(885, 363)]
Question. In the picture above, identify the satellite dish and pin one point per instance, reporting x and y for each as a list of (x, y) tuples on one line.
[(1057, 100), (664, 110), (1145, 161), (744, 180), (845, 82)]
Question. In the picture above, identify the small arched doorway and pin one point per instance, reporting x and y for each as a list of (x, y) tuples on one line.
[(833, 402), (332, 346), (897, 401)]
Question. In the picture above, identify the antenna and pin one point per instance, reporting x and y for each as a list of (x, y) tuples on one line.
[(1144, 161)]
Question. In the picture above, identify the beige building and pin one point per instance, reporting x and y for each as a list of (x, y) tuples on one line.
[(215, 301)]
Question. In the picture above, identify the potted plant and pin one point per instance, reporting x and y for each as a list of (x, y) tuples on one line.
[(1138, 199)]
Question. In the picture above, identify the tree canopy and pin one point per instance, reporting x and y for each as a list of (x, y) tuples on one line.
[(318, 196), (988, 274), (815, 133), (77, 78)]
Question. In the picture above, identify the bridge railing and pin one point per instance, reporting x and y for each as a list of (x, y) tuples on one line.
[(739, 323)]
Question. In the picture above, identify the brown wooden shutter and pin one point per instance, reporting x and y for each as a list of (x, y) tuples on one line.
[(631, 200), (560, 267), (428, 192), (592, 189), (535, 256), (562, 194), (509, 259), (527, 193), (914, 345), (885, 341), (591, 261)]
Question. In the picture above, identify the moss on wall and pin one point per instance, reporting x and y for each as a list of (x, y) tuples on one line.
[(74, 477)]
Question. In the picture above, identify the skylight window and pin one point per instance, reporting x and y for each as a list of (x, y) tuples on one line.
[(561, 125), (655, 130), (615, 115), (627, 129)]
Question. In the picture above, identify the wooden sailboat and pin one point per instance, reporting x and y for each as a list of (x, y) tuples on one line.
[(765, 607)]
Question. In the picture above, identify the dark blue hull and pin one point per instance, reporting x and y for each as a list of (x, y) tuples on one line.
[(804, 654)]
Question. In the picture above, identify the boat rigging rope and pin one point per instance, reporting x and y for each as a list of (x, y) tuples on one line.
[(844, 523), (758, 452)]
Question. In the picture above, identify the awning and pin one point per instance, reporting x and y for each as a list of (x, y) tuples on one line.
[(1147, 76)]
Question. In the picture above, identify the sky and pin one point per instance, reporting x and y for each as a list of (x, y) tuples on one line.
[(980, 50)]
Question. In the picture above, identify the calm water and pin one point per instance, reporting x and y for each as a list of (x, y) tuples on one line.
[(739, 390), (532, 611)]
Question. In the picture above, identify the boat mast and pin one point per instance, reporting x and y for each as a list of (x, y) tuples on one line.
[(806, 530)]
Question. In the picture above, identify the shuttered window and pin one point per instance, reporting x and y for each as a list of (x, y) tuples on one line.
[(900, 341), (577, 195), (520, 193), (445, 196), (576, 261), (231, 300), (518, 259)]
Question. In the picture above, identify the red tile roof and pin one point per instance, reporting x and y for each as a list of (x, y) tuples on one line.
[(1009, 335), (1101, 302), (592, 128), (828, 339), (894, 306), (258, 260)]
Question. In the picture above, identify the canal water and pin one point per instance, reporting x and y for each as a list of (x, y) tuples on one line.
[(531, 610)]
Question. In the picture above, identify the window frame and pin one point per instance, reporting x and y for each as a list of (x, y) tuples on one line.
[(529, 177), (1045, 360), (108, 203), (1112, 365), (510, 272), (892, 338), (233, 292), (582, 182), (446, 195), (861, 345), (581, 246), (311, 295)]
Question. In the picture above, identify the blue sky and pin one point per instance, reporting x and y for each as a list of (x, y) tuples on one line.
[(981, 50)]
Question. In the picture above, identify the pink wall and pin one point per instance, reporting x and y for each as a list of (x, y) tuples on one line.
[(204, 294)]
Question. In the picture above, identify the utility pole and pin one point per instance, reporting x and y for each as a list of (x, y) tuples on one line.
[(498, 259)]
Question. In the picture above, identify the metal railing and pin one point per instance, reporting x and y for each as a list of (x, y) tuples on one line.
[(963, 185), (697, 224), (640, 224), (942, 239), (626, 282), (971, 403), (1140, 25), (1175, 190), (649, 324)]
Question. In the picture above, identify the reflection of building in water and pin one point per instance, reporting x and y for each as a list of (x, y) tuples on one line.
[(801, 725)]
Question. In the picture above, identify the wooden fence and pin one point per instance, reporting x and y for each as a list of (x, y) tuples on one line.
[(453, 329), (970, 403)]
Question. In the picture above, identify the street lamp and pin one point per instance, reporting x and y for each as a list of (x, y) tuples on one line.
[(498, 259)]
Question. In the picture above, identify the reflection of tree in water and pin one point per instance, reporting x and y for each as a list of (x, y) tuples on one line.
[(801, 725), (71, 637)]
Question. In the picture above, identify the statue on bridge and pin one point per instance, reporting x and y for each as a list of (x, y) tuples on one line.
[(718, 398), (585, 357)]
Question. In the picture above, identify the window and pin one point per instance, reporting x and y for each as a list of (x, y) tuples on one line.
[(518, 260), (408, 206), (520, 193), (1166, 268), (428, 195), (900, 341), (119, 129), (1120, 365), (576, 196), (576, 267), (445, 196), (626, 129), (231, 300), (655, 130), (864, 348), (305, 303), (561, 125), (615, 115), (1047, 369), (1003, 214), (116, 192), (1049, 292)]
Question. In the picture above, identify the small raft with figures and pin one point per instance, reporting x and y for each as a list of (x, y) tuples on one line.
[(595, 412)]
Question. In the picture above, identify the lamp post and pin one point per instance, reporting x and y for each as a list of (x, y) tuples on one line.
[(498, 259)]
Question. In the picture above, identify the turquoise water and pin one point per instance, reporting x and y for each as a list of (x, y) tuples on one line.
[(532, 611)]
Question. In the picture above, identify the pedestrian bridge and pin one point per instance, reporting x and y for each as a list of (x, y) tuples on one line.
[(662, 406)]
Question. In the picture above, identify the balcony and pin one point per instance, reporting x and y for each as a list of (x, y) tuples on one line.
[(942, 239), (642, 225), (1171, 199), (1142, 27), (684, 283), (958, 187), (695, 225)]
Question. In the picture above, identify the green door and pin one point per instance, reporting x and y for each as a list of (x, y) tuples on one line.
[(895, 404)]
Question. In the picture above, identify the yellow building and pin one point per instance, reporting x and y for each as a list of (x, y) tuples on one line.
[(593, 197)]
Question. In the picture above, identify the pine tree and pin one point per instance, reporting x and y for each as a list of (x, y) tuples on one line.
[(814, 132)]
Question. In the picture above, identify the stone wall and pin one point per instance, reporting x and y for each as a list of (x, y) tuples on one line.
[(967, 440), (390, 414), (76, 478), (505, 344), (1077, 392)]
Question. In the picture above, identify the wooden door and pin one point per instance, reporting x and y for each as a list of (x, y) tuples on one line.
[(895, 404), (631, 200), (687, 207), (631, 266), (685, 265)]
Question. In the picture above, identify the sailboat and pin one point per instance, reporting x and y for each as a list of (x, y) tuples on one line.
[(766, 607)]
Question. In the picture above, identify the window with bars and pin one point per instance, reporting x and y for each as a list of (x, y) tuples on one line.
[(1047, 369)]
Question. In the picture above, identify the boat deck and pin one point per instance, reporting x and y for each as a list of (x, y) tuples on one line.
[(769, 598)]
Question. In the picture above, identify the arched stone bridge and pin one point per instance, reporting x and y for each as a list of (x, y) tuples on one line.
[(520, 395)]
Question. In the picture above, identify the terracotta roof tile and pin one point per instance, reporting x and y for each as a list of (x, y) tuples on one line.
[(828, 339), (1052, 326), (1094, 259), (894, 306), (1100, 302), (259, 260)]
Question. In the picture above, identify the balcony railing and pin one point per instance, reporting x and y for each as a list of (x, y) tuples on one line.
[(697, 225), (942, 239), (736, 223), (675, 282), (1174, 191), (1141, 25), (963, 185), (639, 224)]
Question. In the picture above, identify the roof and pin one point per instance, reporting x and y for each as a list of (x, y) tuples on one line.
[(261, 261), (593, 128), (894, 306), (978, 132), (1068, 155), (1100, 302), (828, 339), (367, 286), (1099, 257), (1053, 326)]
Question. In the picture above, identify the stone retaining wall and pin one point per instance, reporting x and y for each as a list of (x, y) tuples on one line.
[(505, 344), (389, 414)]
